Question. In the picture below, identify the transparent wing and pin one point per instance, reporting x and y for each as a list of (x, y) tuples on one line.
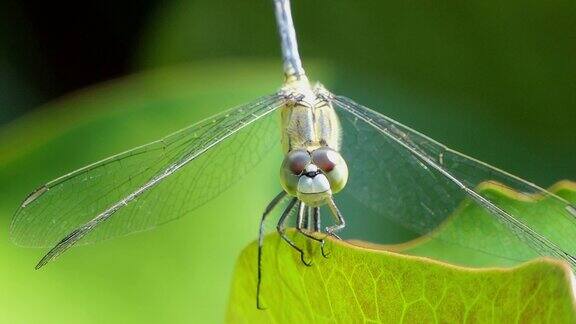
[(151, 184), (407, 181)]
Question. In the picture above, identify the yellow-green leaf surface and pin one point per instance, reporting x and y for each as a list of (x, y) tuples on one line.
[(363, 283)]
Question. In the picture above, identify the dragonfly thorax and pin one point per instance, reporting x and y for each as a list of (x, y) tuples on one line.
[(308, 119)]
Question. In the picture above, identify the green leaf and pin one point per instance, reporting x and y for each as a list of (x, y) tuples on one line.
[(368, 284)]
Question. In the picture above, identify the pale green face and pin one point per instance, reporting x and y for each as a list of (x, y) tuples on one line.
[(309, 173)]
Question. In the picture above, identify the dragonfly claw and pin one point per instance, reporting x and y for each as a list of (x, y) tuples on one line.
[(309, 263), (325, 254), (260, 307)]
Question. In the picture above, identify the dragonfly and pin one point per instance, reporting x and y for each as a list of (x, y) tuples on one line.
[(337, 153)]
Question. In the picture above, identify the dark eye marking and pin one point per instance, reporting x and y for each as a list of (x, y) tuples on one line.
[(297, 161), (325, 158)]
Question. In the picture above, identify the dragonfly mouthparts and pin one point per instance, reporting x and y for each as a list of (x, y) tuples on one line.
[(311, 171)]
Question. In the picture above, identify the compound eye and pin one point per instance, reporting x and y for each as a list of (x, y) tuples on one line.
[(326, 158), (297, 161)]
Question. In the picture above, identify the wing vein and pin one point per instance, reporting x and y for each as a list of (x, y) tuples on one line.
[(538, 242), (219, 130)]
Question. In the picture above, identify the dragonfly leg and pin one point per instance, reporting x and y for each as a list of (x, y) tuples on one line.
[(340, 222), (267, 211), (300, 226), (317, 227), (281, 227), (305, 218), (316, 218)]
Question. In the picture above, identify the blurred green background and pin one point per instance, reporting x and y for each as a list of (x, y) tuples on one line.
[(496, 80)]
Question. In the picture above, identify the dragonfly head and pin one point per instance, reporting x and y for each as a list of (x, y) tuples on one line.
[(313, 176)]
